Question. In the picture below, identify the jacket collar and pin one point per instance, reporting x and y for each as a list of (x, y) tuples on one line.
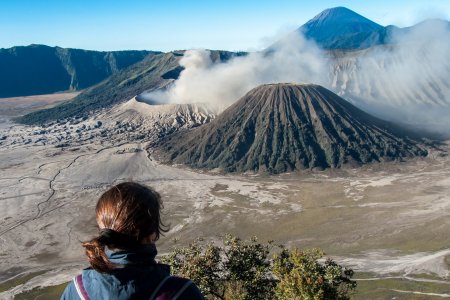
[(142, 254)]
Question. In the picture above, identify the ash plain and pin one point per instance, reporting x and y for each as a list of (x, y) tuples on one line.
[(386, 220)]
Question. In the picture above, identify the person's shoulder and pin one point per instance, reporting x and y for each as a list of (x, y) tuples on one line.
[(89, 272), (70, 292)]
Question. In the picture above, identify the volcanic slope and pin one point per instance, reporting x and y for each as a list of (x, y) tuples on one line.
[(151, 73), (281, 127)]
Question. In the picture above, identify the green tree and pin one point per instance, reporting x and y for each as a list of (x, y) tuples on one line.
[(247, 269), (244, 270), (302, 277), (200, 263)]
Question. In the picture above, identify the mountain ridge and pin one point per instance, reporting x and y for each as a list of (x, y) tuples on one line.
[(151, 73), (40, 69)]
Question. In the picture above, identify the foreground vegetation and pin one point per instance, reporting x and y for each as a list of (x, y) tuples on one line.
[(252, 270)]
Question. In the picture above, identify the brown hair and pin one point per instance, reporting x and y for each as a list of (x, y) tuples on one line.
[(127, 214)]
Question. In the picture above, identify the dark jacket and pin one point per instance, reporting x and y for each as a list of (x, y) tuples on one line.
[(137, 279)]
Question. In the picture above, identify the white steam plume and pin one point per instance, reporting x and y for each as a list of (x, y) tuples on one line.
[(295, 60), (407, 81)]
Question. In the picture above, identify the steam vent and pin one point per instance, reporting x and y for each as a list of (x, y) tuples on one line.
[(277, 128)]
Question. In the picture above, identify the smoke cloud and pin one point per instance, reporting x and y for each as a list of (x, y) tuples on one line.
[(221, 84), (406, 81)]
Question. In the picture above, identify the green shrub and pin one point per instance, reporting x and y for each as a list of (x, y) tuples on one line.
[(301, 276), (246, 270)]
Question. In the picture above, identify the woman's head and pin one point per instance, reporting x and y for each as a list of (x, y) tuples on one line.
[(128, 214), (130, 208)]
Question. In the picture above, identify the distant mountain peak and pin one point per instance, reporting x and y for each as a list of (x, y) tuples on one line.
[(338, 12), (335, 12), (334, 26), (343, 17)]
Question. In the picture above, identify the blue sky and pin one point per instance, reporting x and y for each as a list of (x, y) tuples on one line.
[(173, 24)]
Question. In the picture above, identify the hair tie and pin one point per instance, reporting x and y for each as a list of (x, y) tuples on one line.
[(112, 237)]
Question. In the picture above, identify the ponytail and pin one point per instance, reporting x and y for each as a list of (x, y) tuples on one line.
[(95, 251), (95, 248)]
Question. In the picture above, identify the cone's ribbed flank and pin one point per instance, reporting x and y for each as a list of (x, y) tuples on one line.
[(283, 127)]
